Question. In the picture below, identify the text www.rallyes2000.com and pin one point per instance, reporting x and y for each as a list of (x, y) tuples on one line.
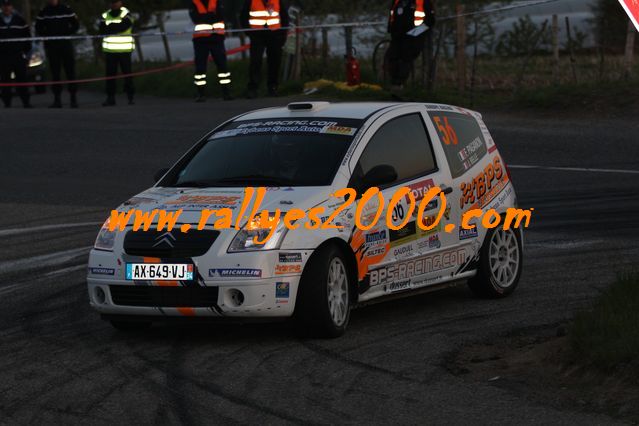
[(316, 218)]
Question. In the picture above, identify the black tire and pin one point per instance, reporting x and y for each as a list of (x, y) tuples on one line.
[(130, 326), (486, 284), (313, 314)]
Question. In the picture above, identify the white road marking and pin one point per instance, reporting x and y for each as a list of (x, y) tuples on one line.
[(13, 287), (576, 169), (44, 260), (18, 231)]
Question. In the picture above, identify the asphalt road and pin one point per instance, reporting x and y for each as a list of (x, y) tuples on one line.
[(59, 363)]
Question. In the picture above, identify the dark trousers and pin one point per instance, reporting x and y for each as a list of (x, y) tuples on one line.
[(61, 55), (403, 51), (123, 61), (213, 46), (271, 42), (17, 64)]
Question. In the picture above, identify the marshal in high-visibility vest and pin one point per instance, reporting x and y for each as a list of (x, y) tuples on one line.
[(208, 40), (206, 19), (418, 13), (265, 14), (121, 23), (408, 23), (117, 25)]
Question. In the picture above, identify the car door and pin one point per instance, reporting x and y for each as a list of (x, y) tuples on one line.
[(393, 260), (466, 152)]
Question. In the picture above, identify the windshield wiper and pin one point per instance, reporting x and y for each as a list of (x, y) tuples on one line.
[(269, 180)]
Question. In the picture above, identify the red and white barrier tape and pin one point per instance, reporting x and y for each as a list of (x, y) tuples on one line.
[(120, 76)]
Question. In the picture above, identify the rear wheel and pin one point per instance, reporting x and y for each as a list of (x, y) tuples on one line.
[(500, 264), (323, 302), (129, 326)]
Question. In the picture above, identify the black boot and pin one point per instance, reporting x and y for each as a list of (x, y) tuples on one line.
[(74, 101), (201, 94), (131, 100), (110, 101), (57, 102)]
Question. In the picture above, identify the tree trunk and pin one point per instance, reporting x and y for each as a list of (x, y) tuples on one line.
[(165, 40)]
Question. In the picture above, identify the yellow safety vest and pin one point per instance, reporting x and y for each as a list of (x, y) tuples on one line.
[(118, 43)]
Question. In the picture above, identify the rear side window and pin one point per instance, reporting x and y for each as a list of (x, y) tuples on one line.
[(461, 138), (402, 143)]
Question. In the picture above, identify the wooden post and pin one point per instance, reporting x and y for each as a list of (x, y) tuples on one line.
[(570, 51), (555, 48), (159, 16), (324, 47), (461, 49), (630, 50)]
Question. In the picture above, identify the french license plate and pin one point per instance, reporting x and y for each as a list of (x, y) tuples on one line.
[(159, 271)]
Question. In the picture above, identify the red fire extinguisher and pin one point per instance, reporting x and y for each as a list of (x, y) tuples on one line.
[(353, 72)]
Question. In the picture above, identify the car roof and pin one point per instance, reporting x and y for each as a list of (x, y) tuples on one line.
[(352, 110)]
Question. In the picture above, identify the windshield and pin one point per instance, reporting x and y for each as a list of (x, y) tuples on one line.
[(274, 152)]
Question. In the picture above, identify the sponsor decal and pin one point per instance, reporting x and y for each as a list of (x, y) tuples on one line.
[(235, 273), (376, 239), (431, 243), (204, 201), (290, 257), (466, 234), (288, 269), (399, 286), (339, 130), (416, 267), (282, 290), (375, 251), (420, 189), (484, 187), (101, 271), (403, 251), (411, 232), (397, 236)]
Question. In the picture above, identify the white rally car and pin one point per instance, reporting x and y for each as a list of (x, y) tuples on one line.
[(303, 153)]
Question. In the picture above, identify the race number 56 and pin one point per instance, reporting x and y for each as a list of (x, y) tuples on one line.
[(446, 131)]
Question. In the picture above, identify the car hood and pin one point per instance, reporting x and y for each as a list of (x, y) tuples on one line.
[(193, 200)]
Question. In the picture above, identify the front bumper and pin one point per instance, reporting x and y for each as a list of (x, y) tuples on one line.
[(258, 298), (270, 295)]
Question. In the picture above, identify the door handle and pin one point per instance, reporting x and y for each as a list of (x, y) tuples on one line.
[(447, 190)]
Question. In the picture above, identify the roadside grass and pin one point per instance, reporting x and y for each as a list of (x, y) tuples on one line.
[(607, 336), (499, 84)]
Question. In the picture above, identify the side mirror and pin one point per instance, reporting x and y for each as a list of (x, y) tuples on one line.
[(378, 176), (159, 174)]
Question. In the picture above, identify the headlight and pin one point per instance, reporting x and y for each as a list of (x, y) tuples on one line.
[(36, 59), (106, 238), (245, 239)]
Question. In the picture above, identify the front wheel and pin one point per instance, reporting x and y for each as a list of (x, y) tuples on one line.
[(500, 264), (323, 303)]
